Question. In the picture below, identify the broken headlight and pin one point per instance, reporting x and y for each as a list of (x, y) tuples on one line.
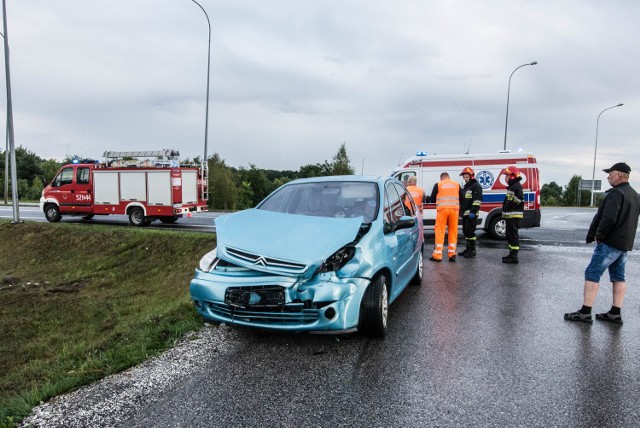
[(208, 261), (337, 260)]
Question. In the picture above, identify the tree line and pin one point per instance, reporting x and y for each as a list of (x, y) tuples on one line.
[(232, 188), (552, 194)]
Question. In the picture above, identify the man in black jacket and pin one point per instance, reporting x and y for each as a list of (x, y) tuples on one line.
[(613, 229), (512, 212), (470, 200)]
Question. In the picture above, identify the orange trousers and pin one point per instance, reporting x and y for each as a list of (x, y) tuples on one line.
[(446, 218)]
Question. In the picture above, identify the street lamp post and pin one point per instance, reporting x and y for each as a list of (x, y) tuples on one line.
[(595, 151), (506, 121), (12, 146), (206, 120)]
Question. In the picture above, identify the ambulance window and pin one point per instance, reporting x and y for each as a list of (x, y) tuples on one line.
[(404, 177), (83, 176), (65, 177)]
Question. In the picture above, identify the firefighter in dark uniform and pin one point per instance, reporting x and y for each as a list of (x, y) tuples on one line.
[(470, 200), (512, 212)]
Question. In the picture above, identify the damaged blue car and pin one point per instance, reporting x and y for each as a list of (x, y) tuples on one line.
[(322, 255)]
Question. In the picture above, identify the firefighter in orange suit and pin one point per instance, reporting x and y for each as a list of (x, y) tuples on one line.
[(446, 194), (417, 193)]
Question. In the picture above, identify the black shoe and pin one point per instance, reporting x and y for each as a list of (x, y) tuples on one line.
[(616, 319), (510, 260), (464, 253), (434, 259), (579, 316), (452, 259), (470, 255)]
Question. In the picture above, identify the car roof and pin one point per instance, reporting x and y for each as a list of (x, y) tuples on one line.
[(335, 178)]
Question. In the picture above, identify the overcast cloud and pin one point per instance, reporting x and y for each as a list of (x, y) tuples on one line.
[(291, 80)]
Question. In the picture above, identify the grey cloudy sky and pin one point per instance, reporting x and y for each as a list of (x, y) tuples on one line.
[(291, 80)]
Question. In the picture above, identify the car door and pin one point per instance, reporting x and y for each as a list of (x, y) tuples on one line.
[(398, 242), (62, 187), (411, 236), (81, 192)]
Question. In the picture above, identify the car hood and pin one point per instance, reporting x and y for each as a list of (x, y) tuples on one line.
[(287, 244)]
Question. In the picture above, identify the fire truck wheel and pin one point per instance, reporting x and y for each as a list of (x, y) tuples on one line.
[(52, 213), (87, 217), (498, 228), (136, 217)]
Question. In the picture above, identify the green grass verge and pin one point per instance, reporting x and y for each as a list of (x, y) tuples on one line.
[(78, 303)]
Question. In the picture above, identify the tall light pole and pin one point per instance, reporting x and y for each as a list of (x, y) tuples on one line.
[(12, 146), (6, 158), (506, 121), (206, 119), (595, 151)]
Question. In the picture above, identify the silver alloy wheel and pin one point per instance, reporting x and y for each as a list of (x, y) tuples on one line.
[(384, 307), (420, 271)]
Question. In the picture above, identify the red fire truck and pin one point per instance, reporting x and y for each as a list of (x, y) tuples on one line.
[(489, 169), (158, 189)]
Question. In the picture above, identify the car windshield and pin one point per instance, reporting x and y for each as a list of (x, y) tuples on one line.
[(338, 199)]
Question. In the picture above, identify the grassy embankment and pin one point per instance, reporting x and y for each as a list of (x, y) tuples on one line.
[(78, 303)]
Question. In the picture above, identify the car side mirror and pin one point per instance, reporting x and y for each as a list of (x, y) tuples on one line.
[(405, 222)]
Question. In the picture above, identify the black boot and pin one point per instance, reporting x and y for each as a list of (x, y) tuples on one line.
[(471, 249), (512, 258), (466, 250)]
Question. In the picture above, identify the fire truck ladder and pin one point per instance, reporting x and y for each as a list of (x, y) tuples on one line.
[(165, 154)]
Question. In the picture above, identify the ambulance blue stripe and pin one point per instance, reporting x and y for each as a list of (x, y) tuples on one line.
[(499, 197)]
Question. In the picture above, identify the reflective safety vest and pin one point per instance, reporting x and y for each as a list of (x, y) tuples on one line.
[(448, 195), (417, 194)]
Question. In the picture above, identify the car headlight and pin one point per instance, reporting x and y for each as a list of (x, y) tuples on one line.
[(337, 260), (207, 262)]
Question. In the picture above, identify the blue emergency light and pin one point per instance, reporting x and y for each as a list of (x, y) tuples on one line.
[(421, 154)]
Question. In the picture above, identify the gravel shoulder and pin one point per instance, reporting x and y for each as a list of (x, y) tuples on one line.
[(119, 397)]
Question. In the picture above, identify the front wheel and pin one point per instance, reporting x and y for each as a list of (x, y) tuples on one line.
[(52, 213), (498, 228), (374, 309), (136, 217), (417, 278)]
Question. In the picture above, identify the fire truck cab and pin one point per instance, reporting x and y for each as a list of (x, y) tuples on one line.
[(489, 168), (158, 189)]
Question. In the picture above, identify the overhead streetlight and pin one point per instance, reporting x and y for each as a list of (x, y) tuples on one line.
[(12, 146), (595, 151), (506, 121), (206, 120)]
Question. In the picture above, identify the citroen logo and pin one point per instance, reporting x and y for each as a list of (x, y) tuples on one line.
[(261, 261)]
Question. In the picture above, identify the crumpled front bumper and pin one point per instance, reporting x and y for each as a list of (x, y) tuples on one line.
[(324, 304)]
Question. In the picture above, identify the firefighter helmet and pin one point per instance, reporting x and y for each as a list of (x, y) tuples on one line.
[(468, 170), (512, 172)]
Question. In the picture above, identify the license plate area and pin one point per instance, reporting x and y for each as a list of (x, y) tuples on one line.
[(262, 298)]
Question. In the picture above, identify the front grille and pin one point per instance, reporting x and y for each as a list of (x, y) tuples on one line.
[(292, 314), (269, 262)]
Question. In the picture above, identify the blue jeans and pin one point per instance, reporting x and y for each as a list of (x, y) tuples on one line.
[(605, 257)]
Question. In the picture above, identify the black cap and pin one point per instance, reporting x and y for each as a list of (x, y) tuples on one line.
[(620, 166)]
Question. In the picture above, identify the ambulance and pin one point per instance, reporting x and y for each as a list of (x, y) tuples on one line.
[(489, 168), (144, 190)]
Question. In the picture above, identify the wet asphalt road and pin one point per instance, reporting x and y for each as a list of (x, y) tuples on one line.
[(480, 343)]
